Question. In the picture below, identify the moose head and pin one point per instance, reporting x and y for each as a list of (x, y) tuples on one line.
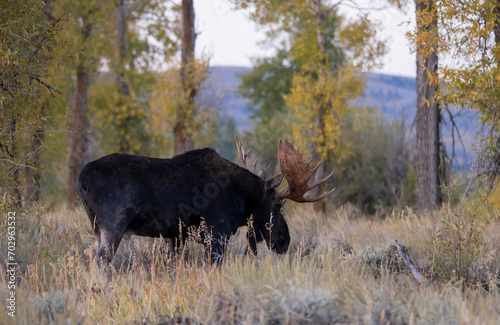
[(270, 224)]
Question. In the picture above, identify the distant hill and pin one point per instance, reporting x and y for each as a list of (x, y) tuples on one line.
[(227, 80), (394, 96)]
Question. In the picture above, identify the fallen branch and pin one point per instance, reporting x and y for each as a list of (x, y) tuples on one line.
[(420, 279)]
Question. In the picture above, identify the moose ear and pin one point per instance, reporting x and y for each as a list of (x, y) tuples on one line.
[(274, 182)]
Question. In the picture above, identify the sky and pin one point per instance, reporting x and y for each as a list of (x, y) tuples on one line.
[(230, 38)]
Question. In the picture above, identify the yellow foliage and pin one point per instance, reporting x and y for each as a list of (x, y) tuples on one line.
[(468, 71), (171, 104), (331, 55), (318, 105), (358, 39), (494, 198), (469, 56)]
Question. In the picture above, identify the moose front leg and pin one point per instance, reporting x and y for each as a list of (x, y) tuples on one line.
[(215, 244), (215, 234), (215, 249)]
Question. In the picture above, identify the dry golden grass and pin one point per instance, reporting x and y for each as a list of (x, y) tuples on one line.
[(336, 271)]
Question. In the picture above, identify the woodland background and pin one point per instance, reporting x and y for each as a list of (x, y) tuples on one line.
[(416, 159)]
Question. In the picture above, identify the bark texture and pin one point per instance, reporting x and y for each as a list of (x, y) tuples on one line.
[(320, 206), (79, 143), (33, 167), (428, 195), (182, 139), (121, 30), (13, 175)]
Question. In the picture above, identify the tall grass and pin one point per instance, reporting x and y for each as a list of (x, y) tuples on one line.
[(337, 269)]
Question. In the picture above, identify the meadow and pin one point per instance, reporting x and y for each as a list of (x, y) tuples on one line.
[(340, 268)]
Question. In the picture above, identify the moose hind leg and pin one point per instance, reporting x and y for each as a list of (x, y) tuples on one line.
[(107, 247)]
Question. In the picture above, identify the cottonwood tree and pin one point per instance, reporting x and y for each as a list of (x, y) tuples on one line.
[(123, 87), (428, 118), (173, 108), (144, 35), (182, 138), (28, 56), (86, 31), (468, 45), (468, 76), (177, 105), (134, 77), (330, 54)]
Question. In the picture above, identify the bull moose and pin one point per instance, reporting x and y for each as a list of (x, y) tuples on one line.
[(132, 195)]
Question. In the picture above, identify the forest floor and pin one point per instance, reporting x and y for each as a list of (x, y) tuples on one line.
[(340, 268)]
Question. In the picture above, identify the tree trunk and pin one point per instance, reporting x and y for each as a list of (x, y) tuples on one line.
[(33, 169), (33, 173), (182, 139), (320, 206), (188, 42), (13, 176), (494, 163), (121, 31), (427, 120), (79, 147)]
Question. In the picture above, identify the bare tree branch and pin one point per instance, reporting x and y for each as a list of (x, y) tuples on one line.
[(420, 279), (453, 128), (49, 87)]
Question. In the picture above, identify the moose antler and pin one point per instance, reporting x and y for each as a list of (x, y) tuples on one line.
[(247, 161), (297, 173)]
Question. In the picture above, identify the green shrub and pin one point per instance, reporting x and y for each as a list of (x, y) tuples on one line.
[(458, 244)]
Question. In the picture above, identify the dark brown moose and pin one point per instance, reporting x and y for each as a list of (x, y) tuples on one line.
[(132, 195)]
